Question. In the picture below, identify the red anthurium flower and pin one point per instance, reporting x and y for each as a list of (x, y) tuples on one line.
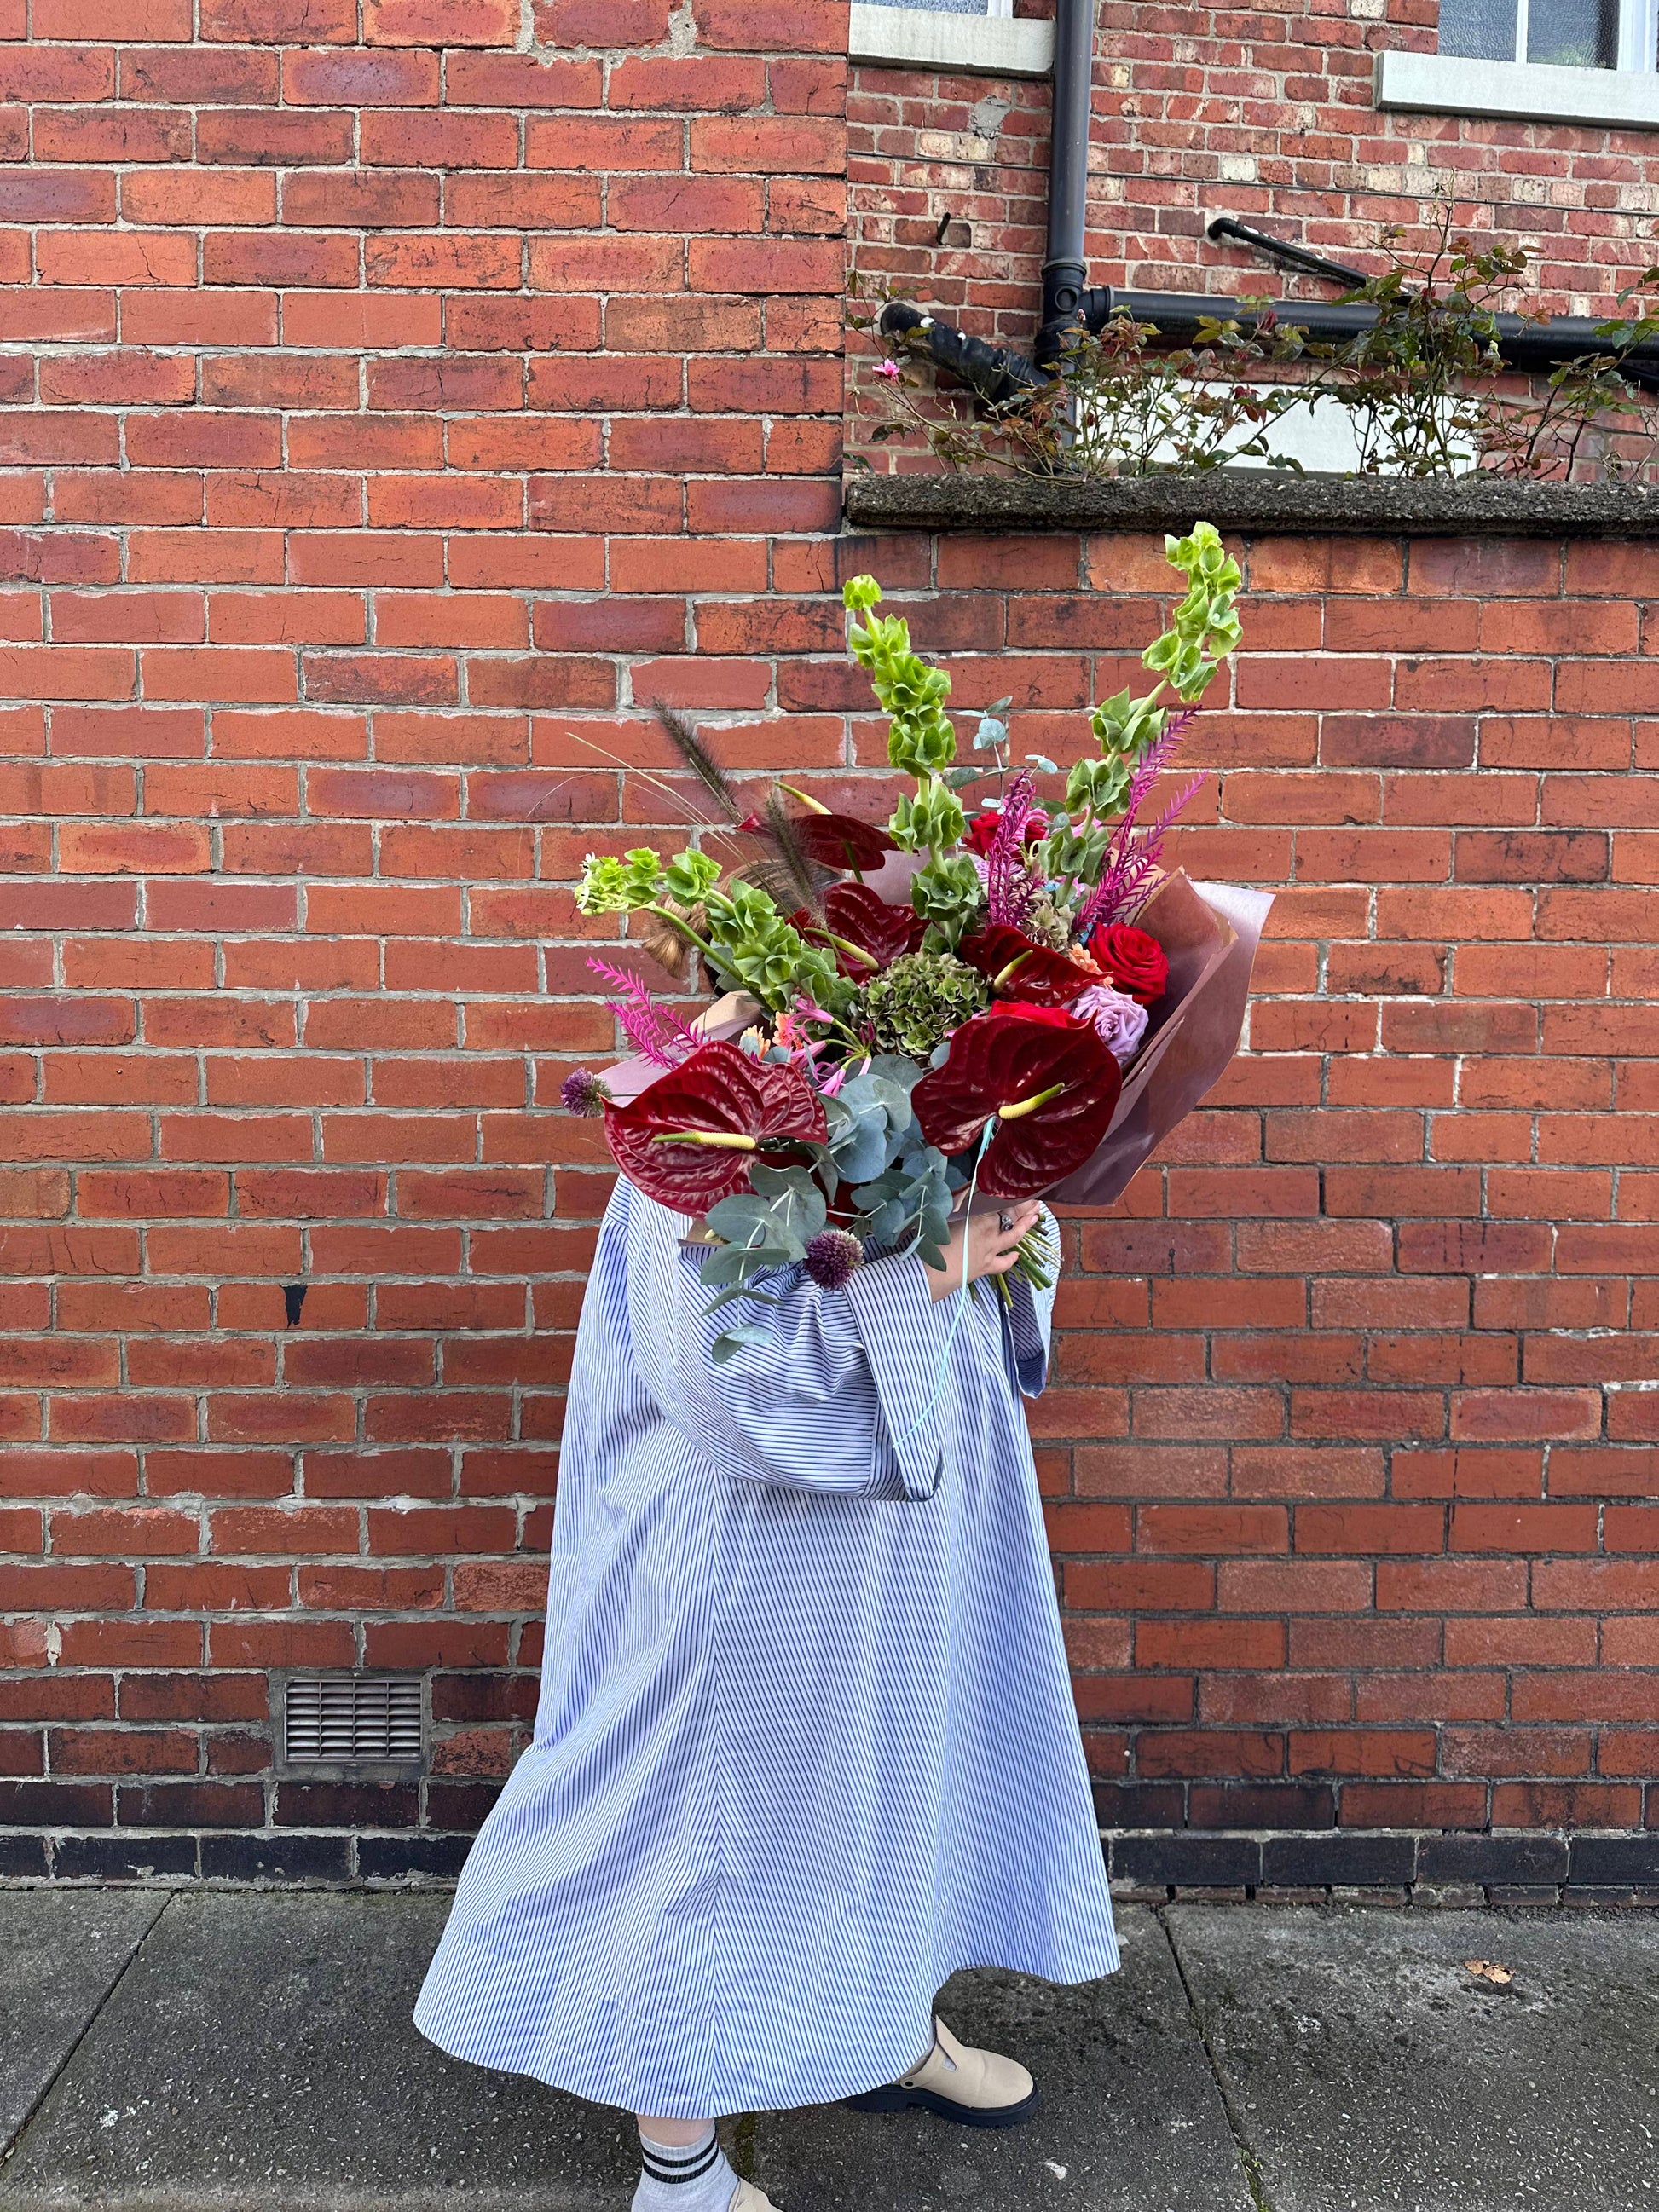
[(688, 1139), (1133, 958), (841, 841), (1017, 968), (857, 913), (1018, 1010), (1050, 1088)]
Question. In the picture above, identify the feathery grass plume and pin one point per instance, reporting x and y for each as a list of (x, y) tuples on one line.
[(683, 735), (806, 877)]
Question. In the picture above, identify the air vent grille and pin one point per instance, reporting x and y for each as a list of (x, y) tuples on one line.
[(344, 1720)]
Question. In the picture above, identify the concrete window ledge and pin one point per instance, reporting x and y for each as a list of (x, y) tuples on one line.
[(1259, 502), (972, 46), (1453, 84)]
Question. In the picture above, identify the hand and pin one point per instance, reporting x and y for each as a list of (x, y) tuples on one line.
[(991, 1248)]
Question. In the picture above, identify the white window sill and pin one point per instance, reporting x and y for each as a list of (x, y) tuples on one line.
[(1453, 84), (972, 45)]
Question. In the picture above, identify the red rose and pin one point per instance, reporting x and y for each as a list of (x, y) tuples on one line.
[(981, 830), (984, 827), (1135, 960)]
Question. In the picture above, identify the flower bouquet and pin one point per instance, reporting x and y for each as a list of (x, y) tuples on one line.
[(998, 1000)]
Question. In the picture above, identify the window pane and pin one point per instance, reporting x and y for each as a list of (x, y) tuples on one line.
[(1574, 34), (940, 7), (1483, 29)]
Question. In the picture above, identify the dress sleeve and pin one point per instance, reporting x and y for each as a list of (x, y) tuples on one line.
[(1030, 1331), (842, 1395)]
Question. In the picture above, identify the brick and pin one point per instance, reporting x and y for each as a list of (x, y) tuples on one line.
[(428, 23)]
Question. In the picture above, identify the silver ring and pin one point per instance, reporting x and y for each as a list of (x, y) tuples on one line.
[(1005, 1222)]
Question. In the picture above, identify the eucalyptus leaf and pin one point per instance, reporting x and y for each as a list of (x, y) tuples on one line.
[(743, 1220), (893, 1067), (863, 1150), (795, 1202), (739, 1265), (728, 1345), (738, 1290)]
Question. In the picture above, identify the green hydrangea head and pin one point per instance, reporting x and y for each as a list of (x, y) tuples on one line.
[(914, 1005)]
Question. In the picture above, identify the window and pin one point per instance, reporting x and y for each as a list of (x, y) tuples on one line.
[(1542, 61), (952, 7), (972, 37), (1556, 33)]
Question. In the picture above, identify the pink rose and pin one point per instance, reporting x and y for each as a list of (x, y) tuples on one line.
[(1117, 1020)]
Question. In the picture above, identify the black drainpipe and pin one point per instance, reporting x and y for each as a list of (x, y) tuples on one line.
[(1064, 269)]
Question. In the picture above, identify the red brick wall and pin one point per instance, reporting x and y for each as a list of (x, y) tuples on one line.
[(388, 422), (388, 425)]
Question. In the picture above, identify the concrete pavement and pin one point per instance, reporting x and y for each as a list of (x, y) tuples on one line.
[(251, 2049)]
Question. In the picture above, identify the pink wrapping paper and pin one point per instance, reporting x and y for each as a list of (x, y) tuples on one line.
[(1210, 932)]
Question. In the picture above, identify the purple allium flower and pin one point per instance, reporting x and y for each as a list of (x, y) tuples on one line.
[(831, 1257), (584, 1092), (1119, 1021)]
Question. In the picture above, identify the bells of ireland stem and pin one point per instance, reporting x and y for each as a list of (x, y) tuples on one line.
[(932, 821), (947, 893), (690, 876), (610, 885), (757, 947)]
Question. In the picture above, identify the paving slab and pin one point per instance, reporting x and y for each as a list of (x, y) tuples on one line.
[(259, 2053), (60, 1953), (1131, 2119), (1369, 2070)]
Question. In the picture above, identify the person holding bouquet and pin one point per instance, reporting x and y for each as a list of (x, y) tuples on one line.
[(805, 1743)]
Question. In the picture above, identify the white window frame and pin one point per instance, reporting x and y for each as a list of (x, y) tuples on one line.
[(995, 44), (1625, 98), (1638, 22)]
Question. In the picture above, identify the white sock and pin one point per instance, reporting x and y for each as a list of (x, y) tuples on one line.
[(691, 2177)]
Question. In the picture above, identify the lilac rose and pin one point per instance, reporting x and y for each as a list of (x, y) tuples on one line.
[(1118, 1020)]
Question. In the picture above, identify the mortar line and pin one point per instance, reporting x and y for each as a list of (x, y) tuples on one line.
[(1254, 2178), (93, 2017)]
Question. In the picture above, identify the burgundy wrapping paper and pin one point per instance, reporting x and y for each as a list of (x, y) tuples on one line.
[(1210, 932)]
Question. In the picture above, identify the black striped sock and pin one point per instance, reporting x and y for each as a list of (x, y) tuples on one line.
[(684, 2177)]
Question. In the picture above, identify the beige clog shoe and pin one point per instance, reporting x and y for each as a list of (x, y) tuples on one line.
[(978, 2089), (749, 2199)]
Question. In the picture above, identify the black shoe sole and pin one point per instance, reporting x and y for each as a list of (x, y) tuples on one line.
[(900, 2099)]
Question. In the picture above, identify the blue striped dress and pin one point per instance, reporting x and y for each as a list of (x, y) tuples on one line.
[(806, 1742)]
